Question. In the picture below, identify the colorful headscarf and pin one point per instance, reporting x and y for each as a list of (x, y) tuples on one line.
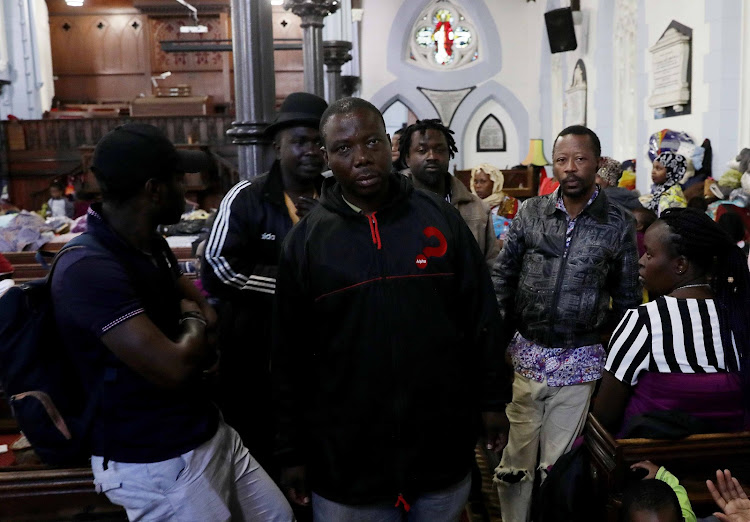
[(497, 196), (676, 166), (610, 171)]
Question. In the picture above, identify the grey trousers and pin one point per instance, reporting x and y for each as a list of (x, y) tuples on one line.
[(544, 422)]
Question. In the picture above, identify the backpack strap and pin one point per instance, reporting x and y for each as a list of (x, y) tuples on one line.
[(87, 241), (83, 241)]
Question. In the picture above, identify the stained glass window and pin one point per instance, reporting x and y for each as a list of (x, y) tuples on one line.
[(443, 37)]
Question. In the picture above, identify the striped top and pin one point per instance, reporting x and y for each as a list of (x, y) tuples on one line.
[(669, 335)]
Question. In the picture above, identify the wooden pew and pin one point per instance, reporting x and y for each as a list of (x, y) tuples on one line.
[(20, 258), (692, 460), (519, 183), (39, 492), (26, 268)]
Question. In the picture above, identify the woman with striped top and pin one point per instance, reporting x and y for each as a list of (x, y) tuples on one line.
[(687, 349)]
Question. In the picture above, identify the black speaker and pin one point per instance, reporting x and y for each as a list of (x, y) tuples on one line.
[(560, 31)]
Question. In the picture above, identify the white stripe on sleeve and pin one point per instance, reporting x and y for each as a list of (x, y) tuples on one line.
[(216, 240)]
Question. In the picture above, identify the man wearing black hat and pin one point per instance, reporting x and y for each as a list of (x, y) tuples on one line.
[(241, 263), (136, 330)]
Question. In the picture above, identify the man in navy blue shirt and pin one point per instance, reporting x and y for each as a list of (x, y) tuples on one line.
[(137, 330)]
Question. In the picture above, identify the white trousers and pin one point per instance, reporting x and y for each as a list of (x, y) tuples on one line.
[(217, 481)]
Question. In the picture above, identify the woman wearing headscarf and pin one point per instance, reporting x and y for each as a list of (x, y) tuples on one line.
[(668, 170), (487, 183), (608, 176)]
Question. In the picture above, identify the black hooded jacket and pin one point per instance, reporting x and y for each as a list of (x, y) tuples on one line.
[(392, 356)]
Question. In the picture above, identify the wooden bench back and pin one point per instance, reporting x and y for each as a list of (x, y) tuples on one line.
[(692, 460), (26, 268)]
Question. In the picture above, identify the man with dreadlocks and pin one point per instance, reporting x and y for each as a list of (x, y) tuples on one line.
[(696, 359), (427, 147), (566, 254)]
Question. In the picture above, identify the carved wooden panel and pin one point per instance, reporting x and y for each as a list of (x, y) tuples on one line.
[(287, 83), (201, 83), (44, 135), (98, 44), (113, 63), (172, 7), (56, 7), (52, 148), (101, 88), (168, 28), (288, 60), (286, 25)]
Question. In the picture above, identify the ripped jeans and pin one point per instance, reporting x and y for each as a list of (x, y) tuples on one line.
[(544, 419)]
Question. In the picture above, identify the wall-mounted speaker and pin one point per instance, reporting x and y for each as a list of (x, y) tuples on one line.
[(560, 30)]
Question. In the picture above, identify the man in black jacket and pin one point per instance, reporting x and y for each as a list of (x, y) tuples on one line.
[(566, 256), (241, 259), (391, 363)]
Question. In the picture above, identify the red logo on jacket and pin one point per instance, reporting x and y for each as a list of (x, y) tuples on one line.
[(437, 251)]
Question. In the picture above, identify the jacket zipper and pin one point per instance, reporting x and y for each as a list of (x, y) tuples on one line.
[(398, 395)]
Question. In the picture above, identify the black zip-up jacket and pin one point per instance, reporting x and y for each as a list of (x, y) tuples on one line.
[(243, 249), (559, 299), (241, 261), (392, 356)]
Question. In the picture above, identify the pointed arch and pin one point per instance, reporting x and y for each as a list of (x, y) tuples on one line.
[(497, 143), (392, 93), (396, 114), (492, 91)]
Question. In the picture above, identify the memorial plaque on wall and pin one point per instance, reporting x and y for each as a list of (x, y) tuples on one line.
[(575, 97), (670, 68), (491, 135)]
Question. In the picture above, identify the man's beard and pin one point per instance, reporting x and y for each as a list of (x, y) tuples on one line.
[(430, 177)]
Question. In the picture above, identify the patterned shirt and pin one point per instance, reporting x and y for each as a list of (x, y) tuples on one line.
[(558, 366), (572, 221)]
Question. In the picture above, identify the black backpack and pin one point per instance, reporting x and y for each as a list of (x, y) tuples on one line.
[(43, 388)]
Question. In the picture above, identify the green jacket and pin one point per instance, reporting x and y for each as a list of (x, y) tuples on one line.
[(671, 480)]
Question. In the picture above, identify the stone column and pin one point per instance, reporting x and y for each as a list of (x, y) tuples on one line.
[(254, 84), (335, 54), (351, 81), (312, 13)]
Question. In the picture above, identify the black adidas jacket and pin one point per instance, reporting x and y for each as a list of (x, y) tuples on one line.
[(243, 249), (391, 357)]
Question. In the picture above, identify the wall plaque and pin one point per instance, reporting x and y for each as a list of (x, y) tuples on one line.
[(575, 97), (670, 65), (491, 135)]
